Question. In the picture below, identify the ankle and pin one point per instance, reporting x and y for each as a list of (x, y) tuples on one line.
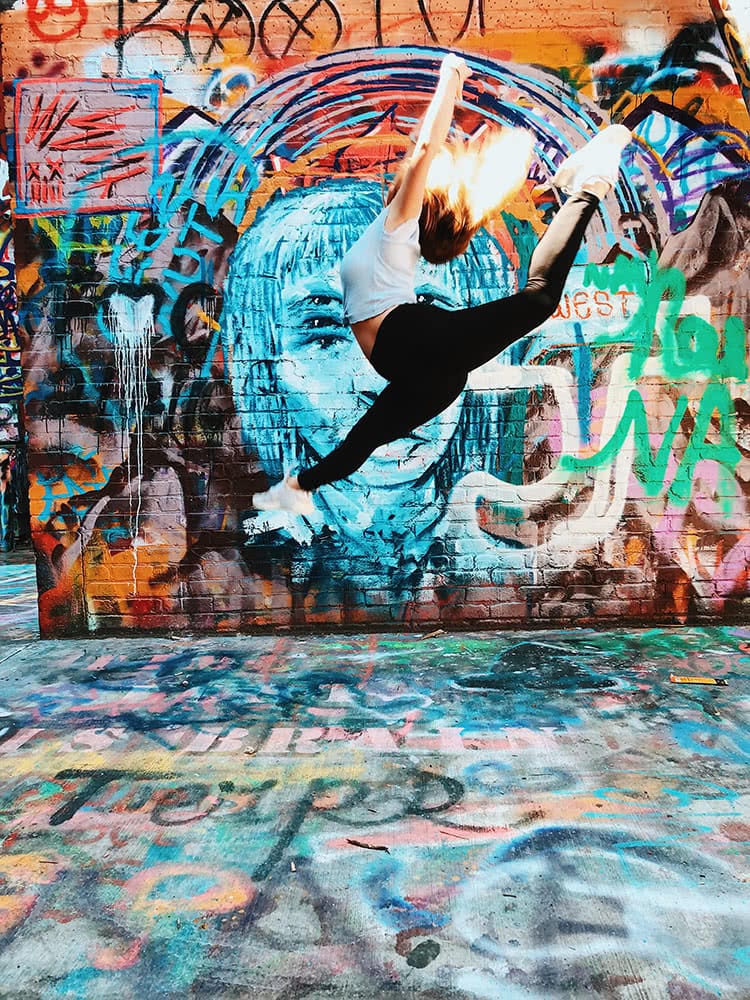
[(600, 188)]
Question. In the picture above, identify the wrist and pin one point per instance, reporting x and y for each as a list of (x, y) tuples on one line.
[(449, 64), (451, 75)]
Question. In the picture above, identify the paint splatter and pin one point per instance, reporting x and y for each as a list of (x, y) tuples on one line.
[(424, 953), (131, 322)]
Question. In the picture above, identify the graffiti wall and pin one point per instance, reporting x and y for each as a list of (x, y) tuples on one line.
[(186, 178)]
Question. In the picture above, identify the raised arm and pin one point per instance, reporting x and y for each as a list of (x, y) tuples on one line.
[(407, 202)]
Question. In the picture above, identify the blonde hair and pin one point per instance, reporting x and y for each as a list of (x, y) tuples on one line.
[(468, 182)]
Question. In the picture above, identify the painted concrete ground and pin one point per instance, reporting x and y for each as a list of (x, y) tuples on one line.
[(465, 816), (19, 618)]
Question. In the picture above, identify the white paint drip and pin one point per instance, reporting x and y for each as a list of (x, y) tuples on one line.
[(131, 322)]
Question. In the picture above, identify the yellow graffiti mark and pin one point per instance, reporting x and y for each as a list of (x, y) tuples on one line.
[(28, 277), (28, 868), (57, 234), (337, 761), (208, 320), (14, 910), (229, 890)]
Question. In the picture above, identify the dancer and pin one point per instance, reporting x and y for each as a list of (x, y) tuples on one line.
[(423, 351)]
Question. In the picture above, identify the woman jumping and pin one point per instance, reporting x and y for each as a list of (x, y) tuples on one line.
[(423, 351)]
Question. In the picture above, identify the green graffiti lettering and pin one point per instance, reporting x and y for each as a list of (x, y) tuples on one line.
[(716, 399), (632, 273), (689, 345), (651, 468), (734, 360)]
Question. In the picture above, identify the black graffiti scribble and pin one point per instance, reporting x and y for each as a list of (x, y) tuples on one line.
[(206, 27), (428, 23), (320, 18), (464, 27), (201, 34), (367, 847), (186, 803)]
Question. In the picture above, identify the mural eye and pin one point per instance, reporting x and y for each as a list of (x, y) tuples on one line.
[(322, 322), (329, 340), (434, 298), (324, 329)]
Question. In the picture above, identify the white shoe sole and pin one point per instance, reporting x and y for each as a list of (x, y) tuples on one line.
[(598, 160), (283, 497)]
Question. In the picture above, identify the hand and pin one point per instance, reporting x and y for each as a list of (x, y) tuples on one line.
[(452, 63)]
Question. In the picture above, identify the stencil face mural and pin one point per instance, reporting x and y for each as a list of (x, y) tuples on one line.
[(290, 291), (181, 304), (298, 379)]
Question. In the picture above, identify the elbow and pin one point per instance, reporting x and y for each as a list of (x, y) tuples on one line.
[(425, 152)]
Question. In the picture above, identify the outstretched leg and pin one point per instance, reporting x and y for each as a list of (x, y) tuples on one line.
[(398, 410), (494, 326), (428, 337), (421, 337), (465, 339)]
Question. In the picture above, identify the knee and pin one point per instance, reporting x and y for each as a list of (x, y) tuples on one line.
[(448, 386), (542, 299)]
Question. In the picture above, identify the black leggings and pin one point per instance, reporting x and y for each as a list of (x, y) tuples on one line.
[(426, 353)]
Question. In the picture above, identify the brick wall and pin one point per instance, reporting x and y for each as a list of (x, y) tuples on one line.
[(182, 170), (13, 523)]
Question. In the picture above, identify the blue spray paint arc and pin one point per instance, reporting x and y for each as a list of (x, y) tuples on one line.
[(350, 94)]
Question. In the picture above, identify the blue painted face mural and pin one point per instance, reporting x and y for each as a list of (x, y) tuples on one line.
[(299, 378)]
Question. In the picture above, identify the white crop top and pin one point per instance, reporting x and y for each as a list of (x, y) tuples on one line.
[(378, 271)]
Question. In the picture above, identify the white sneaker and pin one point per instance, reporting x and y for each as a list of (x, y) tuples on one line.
[(598, 160), (282, 496)]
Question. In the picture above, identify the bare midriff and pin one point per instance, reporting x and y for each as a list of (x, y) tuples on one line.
[(366, 331)]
